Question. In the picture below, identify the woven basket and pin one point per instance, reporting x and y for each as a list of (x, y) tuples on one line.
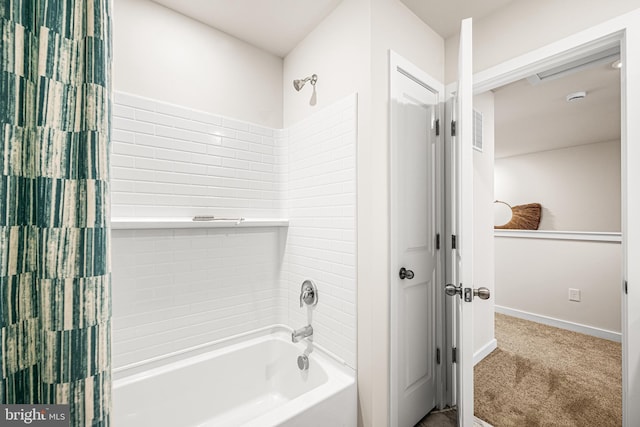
[(523, 217)]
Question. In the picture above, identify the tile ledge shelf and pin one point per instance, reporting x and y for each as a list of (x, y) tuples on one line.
[(591, 236), (130, 223)]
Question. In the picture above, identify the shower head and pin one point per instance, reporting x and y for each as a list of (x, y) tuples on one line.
[(299, 84)]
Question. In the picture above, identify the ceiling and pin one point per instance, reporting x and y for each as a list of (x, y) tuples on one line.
[(444, 16), (530, 118), (275, 26)]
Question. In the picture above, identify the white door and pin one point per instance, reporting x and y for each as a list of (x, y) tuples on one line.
[(414, 256), (463, 229)]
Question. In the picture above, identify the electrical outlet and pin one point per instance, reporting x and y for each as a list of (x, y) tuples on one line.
[(574, 294)]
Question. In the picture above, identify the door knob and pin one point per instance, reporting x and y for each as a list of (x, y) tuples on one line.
[(405, 274), (482, 293), (453, 290)]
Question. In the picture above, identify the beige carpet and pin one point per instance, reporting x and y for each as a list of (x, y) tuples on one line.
[(545, 376)]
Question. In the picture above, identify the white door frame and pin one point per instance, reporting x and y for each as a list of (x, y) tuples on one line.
[(396, 63), (624, 30)]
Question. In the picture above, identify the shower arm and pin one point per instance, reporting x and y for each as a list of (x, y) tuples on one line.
[(299, 84), (313, 78)]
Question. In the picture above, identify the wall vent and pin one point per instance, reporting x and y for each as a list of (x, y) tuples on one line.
[(603, 56), (477, 130)]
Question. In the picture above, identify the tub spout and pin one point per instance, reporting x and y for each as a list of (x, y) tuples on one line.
[(304, 332)]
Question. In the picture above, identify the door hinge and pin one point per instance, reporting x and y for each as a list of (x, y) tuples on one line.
[(438, 127), (454, 242), (438, 241), (438, 356), (453, 128), (454, 355), (626, 287)]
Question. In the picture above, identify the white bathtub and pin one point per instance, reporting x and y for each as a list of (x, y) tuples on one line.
[(252, 383)]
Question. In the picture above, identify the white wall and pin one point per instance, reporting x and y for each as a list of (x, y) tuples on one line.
[(161, 54), (579, 187), (483, 246), (522, 26), (337, 50), (534, 276), (173, 289)]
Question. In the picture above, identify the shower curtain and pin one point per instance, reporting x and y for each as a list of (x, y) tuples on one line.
[(55, 109)]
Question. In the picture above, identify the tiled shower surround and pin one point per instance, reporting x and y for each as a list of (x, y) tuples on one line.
[(174, 162), (178, 288)]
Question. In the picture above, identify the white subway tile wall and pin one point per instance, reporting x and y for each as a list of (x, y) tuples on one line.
[(171, 161), (173, 289), (321, 241)]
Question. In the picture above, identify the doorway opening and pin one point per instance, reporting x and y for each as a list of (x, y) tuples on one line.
[(559, 146), (561, 52)]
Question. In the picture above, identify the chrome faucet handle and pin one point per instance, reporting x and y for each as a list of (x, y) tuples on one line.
[(308, 293), (303, 295)]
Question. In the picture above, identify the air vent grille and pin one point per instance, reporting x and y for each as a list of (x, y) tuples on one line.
[(477, 130), (604, 56)]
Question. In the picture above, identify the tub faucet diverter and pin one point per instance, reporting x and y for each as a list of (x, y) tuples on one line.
[(304, 332)]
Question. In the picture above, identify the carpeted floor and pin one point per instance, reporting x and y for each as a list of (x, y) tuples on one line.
[(545, 376)]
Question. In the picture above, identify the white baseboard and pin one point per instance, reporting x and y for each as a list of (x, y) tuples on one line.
[(563, 324), (477, 422), (484, 351)]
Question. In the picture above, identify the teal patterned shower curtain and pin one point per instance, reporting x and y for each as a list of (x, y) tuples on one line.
[(55, 109)]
